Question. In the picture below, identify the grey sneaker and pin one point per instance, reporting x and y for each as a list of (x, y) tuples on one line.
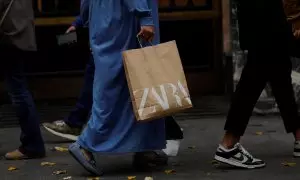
[(61, 129)]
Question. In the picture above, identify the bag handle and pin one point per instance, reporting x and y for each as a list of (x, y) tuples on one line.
[(6, 12), (140, 43)]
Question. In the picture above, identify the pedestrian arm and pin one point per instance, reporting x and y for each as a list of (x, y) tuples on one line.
[(78, 22), (84, 12), (141, 8)]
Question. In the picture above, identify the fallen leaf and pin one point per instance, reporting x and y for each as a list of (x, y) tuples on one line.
[(259, 133), (289, 164), (47, 164), (214, 162), (192, 147), (131, 177), (67, 178), (148, 178), (12, 168), (60, 172), (93, 178), (171, 171), (60, 149)]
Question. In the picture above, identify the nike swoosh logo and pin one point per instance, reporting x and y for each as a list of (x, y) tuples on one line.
[(241, 158)]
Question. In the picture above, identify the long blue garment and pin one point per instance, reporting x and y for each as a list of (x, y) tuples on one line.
[(112, 127)]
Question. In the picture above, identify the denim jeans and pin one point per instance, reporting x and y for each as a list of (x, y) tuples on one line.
[(22, 101), (79, 115)]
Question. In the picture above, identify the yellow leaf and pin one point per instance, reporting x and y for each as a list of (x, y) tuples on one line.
[(61, 149), (131, 177), (93, 178), (47, 164), (214, 162), (148, 178), (259, 133), (60, 172), (67, 178), (12, 168), (171, 171), (289, 164)]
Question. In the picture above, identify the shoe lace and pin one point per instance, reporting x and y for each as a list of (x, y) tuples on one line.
[(60, 123), (244, 151)]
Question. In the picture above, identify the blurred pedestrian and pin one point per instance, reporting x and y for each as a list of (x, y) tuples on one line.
[(17, 44), (266, 34)]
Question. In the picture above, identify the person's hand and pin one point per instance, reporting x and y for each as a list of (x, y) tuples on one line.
[(297, 33), (146, 33), (71, 29)]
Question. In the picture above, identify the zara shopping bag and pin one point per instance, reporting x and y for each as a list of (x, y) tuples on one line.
[(156, 81)]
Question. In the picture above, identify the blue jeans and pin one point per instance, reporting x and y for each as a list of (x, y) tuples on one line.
[(79, 115), (22, 101)]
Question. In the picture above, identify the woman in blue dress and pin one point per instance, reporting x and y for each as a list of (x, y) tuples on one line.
[(112, 128)]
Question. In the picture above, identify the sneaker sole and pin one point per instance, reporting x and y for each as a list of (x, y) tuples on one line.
[(66, 136), (236, 164), (296, 154), (92, 171)]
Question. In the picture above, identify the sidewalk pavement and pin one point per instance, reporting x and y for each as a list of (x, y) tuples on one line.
[(265, 138)]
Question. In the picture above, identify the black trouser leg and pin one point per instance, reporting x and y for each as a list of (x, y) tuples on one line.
[(281, 84), (253, 80), (173, 130)]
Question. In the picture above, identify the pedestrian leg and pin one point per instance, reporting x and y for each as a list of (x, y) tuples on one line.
[(32, 143), (252, 82), (71, 127)]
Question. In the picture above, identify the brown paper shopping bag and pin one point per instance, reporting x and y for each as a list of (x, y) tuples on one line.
[(156, 81)]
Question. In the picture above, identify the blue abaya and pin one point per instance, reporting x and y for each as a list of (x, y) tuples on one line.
[(112, 127)]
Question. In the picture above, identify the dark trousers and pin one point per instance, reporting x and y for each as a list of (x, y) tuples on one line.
[(12, 66), (275, 68), (79, 115)]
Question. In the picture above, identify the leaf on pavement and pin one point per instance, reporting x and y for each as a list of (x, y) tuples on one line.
[(93, 178), (170, 171), (47, 164), (215, 163), (60, 149), (131, 177), (12, 168), (289, 164), (259, 133), (67, 178), (148, 178), (60, 172)]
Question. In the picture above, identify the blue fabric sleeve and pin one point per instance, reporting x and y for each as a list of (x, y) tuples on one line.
[(78, 22), (141, 8)]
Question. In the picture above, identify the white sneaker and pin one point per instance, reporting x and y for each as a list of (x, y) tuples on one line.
[(238, 157), (297, 149), (172, 147)]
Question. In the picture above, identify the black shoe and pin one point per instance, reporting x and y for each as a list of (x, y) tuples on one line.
[(238, 157)]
